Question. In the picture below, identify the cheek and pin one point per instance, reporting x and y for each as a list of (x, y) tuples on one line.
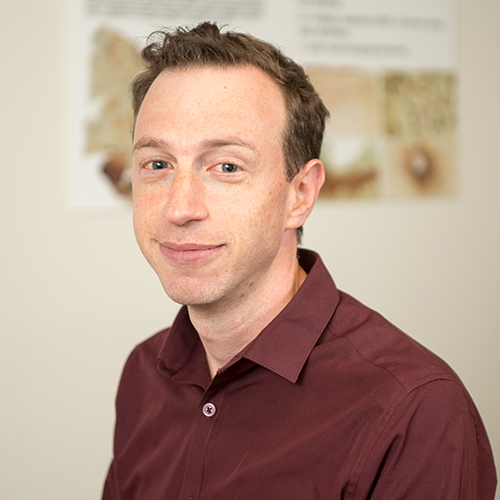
[(257, 215), (272, 204), (145, 210)]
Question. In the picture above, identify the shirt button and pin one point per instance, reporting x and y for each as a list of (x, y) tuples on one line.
[(209, 410)]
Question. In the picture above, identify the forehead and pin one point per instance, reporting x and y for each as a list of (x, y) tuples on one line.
[(197, 99)]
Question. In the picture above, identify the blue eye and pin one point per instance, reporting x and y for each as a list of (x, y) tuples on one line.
[(158, 165), (229, 168)]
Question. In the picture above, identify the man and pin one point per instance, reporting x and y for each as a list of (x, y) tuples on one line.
[(271, 383)]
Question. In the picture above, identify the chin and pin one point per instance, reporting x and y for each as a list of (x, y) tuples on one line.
[(191, 293)]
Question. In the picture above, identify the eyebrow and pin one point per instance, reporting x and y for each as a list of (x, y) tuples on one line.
[(149, 142), (229, 141)]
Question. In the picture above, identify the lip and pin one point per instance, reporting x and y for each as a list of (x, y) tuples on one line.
[(189, 253)]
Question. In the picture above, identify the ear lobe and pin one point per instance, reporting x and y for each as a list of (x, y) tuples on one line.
[(305, 188)]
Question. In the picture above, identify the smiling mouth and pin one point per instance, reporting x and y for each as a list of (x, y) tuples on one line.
[(189, 253)]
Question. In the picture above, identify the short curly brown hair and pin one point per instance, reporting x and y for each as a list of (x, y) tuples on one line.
[(207, 45)]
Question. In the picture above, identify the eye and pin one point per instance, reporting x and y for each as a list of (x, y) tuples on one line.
[(228, 168), (158, 165)]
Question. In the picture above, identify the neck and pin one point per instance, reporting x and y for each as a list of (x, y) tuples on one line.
[(225, 331)]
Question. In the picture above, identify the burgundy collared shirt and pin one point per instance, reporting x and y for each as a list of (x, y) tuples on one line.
[(330, 401)]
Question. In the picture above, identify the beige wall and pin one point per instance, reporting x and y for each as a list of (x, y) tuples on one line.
[(76, 294)]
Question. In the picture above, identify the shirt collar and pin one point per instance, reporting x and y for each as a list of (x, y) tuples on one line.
[(282, 347), (286, 343)]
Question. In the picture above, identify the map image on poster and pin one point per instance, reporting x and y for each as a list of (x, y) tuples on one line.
[(386, 75)]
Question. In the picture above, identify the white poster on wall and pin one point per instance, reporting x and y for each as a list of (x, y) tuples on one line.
[(385, 69)]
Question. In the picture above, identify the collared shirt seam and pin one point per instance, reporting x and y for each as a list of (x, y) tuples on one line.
[(377, 432), (437, 375)]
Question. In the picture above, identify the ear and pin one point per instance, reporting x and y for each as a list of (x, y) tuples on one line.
[(304, 190)]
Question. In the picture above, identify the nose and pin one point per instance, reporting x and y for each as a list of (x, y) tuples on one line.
[(185, 201)]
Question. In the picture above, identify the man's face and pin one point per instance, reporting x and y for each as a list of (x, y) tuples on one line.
[(211, 200)]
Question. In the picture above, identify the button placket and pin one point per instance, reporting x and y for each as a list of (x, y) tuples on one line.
[(211, 406)]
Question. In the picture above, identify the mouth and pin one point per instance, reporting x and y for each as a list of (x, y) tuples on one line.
[(189, 253)]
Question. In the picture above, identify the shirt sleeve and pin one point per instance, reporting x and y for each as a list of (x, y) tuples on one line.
[(433, 446)]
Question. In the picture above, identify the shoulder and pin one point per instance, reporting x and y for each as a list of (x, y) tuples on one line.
[(390, 369), (431, 445), (139, 382), (143, 358), (421, 382), (427, 424), (385, 347)]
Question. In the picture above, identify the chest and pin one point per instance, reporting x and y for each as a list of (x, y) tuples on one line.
[(258, 433)]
